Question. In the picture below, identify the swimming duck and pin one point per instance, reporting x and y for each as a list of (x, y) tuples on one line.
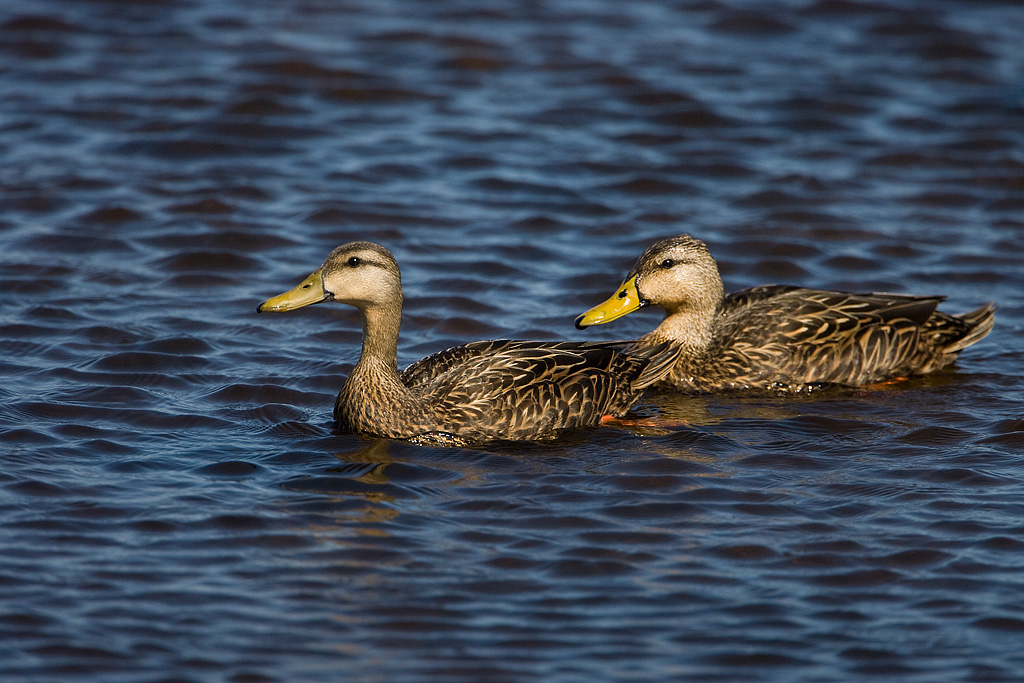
[(781, 338), (483, 391)]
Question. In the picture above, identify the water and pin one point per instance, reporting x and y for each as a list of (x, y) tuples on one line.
[(173, 505)]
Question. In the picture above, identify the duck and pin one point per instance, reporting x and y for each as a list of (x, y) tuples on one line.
[(783, 339), (496, 390)]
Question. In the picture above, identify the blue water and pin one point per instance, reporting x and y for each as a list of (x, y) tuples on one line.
[(173, 504)]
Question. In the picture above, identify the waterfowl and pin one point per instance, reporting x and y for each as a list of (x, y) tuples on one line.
[(780, 338), (483, 391)]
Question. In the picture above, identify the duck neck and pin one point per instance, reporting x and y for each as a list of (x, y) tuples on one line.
[(691, 327), (379, 357)]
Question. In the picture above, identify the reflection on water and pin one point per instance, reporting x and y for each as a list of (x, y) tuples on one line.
[(173, 504)]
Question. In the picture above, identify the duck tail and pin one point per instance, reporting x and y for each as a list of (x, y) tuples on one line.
[(979, 323), (662, 359)]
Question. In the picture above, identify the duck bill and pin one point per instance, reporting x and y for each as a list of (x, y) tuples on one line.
[(310, 291), (625, 300)]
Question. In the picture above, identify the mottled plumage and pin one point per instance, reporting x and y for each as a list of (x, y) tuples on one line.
[(783, 338), (478, 392)]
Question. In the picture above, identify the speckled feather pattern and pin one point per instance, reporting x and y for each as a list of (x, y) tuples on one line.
[(505, 389), (483, 391), (788, 339)]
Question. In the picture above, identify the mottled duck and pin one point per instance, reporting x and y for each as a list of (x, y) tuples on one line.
[(779, 338), (479, 392)]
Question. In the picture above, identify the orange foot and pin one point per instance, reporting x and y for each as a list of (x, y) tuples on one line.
[(658, 423), (884, 384)]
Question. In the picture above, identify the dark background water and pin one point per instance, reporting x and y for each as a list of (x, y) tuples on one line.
[(173, 506)]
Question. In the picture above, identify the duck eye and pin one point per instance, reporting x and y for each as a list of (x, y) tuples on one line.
[(667, 263), (354, 261)]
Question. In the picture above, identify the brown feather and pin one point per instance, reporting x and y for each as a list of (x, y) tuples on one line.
[(483, 391), (791, 339)]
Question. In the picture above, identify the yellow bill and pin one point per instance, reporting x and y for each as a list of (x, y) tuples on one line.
[(310, 291), (625, 300)]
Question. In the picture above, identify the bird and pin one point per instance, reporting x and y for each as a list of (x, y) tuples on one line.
[(783, 339), (496, 390)]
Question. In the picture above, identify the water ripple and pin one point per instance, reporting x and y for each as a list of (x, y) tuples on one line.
[(174, 504)]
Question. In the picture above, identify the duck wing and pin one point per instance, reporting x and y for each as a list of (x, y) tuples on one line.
[(521, 389), (807, 336), (437, 364)]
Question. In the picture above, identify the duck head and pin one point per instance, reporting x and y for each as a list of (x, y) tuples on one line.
[(361, 274), (677, 274)]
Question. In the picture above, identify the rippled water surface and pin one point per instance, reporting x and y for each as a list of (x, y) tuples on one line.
[(173, 504)]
